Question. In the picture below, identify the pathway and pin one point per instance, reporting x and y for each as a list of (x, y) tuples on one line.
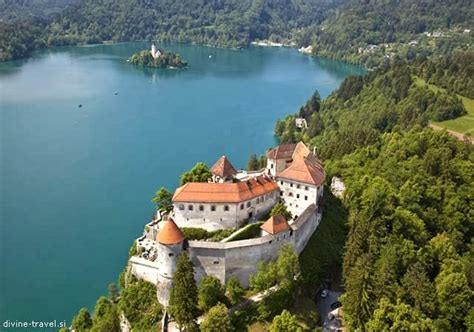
[(455, 134)]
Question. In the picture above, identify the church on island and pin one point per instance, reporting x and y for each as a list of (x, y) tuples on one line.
[(236, 200)]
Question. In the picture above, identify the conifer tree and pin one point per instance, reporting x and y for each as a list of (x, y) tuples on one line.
[(184, 295), (253, 163)]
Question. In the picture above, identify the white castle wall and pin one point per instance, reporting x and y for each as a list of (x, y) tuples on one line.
[(237, 259), (297, 195), (241, 258), (144, 269), (235, 217)]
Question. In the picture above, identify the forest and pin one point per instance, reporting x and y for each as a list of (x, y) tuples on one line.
[(226, 23), (341, 29), (384, 100), (408, 261), (391, 26)]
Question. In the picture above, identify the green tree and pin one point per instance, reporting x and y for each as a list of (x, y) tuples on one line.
[(140, 305), (184, 294), (358, 299), (199, 173), (102, 307), (453, 292), (163, 199), (262, 162), (82, 321), (469, 320), (133, 249), (210, 292), (253, 164), (398, 317), (113, 292), (217, 320), (234, 291), (285, 269), (109, 320), (281, 209), (279, 128), (285, 322), (418, 289)]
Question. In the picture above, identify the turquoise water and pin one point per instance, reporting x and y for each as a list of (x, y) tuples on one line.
[(76, 183)]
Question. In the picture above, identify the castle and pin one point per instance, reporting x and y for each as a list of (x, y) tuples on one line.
[(230, 200)]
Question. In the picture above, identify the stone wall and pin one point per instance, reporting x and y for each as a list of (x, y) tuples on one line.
[(224, 260), (241, 258), (144, 269)]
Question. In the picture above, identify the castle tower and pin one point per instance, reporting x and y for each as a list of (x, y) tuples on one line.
[(222, 171), (170, 241)]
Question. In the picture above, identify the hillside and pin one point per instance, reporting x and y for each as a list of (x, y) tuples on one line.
[(13, 10), (408, 261), (370, 32), (364, 32), (227, 23)]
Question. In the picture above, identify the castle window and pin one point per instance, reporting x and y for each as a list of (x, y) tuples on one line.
[(242, 206), (248, 204), (281, 182), (216, 262), (170, 254), (281, 193), (291, 185), (258, 200), (306, 188), (181, 207), (226, 207), (298, 186), (271, 165), (306, 198), (290, 194), (201, 207), (297, 195), (213, 208), (190, 207)]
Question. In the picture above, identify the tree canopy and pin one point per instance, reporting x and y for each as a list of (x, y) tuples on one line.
[(199, 173), (184, 294)]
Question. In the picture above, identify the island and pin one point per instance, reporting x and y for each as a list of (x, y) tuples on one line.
[(157, 59)]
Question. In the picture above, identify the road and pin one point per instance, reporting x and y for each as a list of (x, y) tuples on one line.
[(324, 307)]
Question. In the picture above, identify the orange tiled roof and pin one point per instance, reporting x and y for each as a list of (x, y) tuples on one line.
[(169, 233), (276, 224), (283, 151), (306, 170), (200, 192), (289, 151), (223, 168), (300, 151)]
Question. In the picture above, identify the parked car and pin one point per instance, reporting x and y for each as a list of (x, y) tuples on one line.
[(324, 293), (336, 305)]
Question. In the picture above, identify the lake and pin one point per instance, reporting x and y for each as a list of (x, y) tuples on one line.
[(76, 182)]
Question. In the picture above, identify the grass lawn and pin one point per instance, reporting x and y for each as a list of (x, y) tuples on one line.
[(463, 124)]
